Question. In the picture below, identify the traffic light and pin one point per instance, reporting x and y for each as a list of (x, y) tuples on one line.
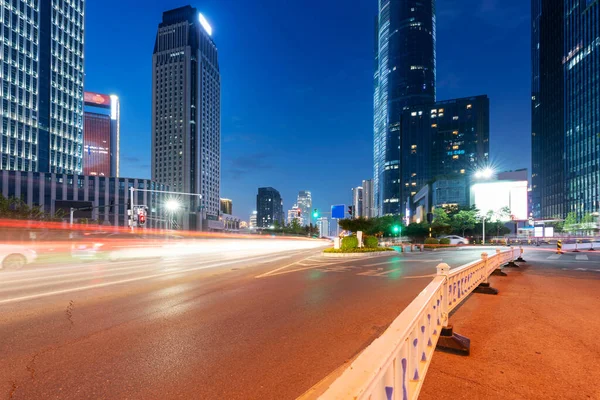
[(299, 213), (350, 210), (396, 229), (142, 219), (429, 218), (111, 207), (315, 213)]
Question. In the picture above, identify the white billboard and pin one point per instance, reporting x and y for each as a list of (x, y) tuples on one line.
[(494, 196)]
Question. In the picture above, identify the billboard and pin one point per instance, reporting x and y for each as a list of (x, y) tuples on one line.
[(494, 196), (338, 212), (96, 99)]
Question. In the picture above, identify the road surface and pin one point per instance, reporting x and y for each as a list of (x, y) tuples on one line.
[(248, 324)]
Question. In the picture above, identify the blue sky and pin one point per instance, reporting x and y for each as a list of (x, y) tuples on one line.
[(297, 85)]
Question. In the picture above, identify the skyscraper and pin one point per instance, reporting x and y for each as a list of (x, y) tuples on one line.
[(404, 76), (547, 109), (186, 106), (357, 202), (323, 225), (565, 52), (446, 138), (304, 202), (367, 186), (581, 64), (269, 206), (101, 134), (226, 206), (41, 70), (294, 214)]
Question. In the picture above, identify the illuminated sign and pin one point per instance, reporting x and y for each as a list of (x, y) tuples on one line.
[(96, 99), (205, 24), (494, 196)]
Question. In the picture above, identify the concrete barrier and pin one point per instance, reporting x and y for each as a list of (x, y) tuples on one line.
[(395, 364)]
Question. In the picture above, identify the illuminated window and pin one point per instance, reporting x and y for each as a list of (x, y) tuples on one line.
[(413, 174), (414, 146), (434, 111), (462, 171), (455, 157), (414, 183), (434, 125), (455, 132), (455, 118), (441, 110), (454, 147), (414, 113), (469, 106)]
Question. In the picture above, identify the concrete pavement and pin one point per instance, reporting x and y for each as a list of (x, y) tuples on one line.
[(239, 326), (537, 339)]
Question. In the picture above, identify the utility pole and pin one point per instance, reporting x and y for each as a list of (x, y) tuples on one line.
[(131, 204)]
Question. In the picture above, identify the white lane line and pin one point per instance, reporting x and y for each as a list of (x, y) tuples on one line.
[(581, 257), (554, 256), (101, 285)]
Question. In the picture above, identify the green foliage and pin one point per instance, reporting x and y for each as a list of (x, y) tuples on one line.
[(349, 242), (464, 220), (570, 222), (416, 231), (371, 242), (16, 208), (431, 241), (444, 241), (371, 226), (441, 222), (358, 250)]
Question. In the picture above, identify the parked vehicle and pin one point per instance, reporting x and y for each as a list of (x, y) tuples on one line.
[(13, 256), (455, 239)]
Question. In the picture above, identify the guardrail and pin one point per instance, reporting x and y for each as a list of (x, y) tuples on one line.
[(395, 364)]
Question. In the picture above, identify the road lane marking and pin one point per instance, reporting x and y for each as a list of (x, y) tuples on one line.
[(581, 257), (101, 285), (554, 256)]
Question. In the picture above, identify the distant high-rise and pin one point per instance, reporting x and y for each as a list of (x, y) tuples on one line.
[(186, 108), (304, 202), (226, 206), (42, 71), (323, 226), (295, 214), (404, 76), (446, 138), (565, 58), (357, 202), (101, 134), (367, 186), (269, 206), (252, 222)]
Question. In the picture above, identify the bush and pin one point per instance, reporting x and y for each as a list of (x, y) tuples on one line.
[(431, 241), (444, 241), (349, 243), (359, 250), (371, 242)]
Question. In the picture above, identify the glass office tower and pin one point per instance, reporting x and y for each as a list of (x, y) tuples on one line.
[(41, 70), (404, 76), (547, 109), (186, 109), (581, 62)]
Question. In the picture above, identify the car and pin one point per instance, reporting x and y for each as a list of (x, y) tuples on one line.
[(455, 239), (13, 257)]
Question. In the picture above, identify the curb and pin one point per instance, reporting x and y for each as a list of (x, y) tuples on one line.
[(358, 255)]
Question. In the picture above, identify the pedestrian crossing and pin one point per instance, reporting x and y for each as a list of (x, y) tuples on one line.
[(568, 257)]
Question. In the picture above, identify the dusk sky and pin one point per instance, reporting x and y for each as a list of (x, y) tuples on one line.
[(297, 85)]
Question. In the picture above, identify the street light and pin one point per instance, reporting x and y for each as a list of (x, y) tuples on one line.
[(484, 173), (172, 205)]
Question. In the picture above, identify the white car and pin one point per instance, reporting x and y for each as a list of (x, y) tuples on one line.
[(455, 239), (14, 256)]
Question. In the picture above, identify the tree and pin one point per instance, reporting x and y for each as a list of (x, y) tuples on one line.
[(416, 231), (464, 220), (570, 224), (441, 222)]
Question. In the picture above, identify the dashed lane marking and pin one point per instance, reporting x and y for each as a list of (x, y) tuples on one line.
[(581, 257)]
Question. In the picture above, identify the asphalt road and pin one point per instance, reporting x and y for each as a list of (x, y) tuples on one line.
[(264, 323)]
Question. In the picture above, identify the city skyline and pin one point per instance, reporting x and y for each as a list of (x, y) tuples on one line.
[(254, 150)]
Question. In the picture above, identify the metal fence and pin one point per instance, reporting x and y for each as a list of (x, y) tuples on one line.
[(395, 364)]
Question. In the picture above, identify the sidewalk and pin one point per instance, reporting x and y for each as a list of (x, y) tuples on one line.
[(539, 338)]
